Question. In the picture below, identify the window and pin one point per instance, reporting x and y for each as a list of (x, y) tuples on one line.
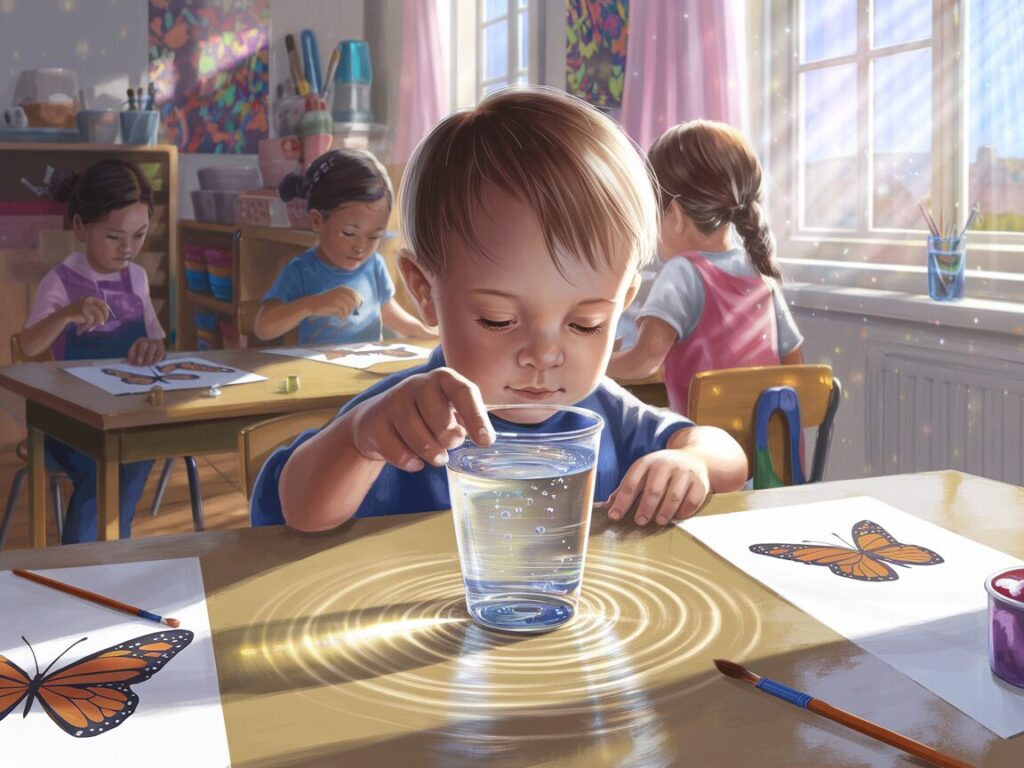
[(491, 46), (874, 105)]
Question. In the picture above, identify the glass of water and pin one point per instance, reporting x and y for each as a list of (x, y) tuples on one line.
[(522, 513)]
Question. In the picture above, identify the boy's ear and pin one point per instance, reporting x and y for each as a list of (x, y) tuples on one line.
[(631, 292), (418, 285), (79, 227)]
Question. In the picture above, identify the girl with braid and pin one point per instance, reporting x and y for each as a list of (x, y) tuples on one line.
[(715, 304)]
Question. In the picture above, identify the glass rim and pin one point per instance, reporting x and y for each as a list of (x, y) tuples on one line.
[(597, 426)]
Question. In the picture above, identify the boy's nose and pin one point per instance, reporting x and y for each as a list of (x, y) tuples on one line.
[(541, 352)]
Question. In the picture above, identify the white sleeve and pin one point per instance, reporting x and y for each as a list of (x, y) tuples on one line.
[(789, 334), (676, 297), (51, 296)]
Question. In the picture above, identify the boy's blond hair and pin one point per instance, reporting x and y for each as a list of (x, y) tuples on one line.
[(586, 181)]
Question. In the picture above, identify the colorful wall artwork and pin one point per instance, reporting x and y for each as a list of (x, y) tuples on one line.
[(209, 60), (595, 61)]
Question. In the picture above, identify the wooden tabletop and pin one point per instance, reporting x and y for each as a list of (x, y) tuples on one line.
[(321, 385), (354, 647)]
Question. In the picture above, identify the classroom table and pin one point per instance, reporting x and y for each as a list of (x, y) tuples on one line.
[(354, 647), (122, 428)]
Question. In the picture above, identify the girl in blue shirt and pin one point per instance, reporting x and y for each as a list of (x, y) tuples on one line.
[(339, 291)]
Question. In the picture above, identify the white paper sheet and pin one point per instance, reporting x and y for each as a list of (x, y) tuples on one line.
[(356, 355), (178, 720), (173, 373), (930, 623)]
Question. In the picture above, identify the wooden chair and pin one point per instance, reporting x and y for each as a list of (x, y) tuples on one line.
[(18, 355), (726, 399), (257, 441)]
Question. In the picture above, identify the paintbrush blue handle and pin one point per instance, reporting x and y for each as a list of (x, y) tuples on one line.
[(311, 59), (784, 692)]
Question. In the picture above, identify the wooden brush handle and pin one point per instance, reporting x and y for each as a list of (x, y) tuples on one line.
[(891, 738)]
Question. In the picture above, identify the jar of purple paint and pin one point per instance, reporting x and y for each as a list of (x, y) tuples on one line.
[(1006, 624)]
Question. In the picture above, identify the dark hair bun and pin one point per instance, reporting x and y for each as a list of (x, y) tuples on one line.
[(62, 185), (291, 186)]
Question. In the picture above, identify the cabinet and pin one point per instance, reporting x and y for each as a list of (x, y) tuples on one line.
[(257, 256), (34, 237)]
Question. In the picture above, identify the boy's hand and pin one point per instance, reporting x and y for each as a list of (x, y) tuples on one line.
[(146, 351), (417, 421), (338, 302), (88, 313), (671, 485)]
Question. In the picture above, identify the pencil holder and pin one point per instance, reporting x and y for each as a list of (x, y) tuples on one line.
[(947, 257), (139, 127)]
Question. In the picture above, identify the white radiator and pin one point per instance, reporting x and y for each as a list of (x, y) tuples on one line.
[(928, 410)]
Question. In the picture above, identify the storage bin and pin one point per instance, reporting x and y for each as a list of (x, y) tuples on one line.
[(195, 269)]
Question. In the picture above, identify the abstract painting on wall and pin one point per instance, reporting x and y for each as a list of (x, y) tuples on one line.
[(595, 60), (209, 61)]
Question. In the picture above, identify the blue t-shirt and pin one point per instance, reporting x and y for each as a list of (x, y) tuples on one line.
[(308, 274), (631, 429)]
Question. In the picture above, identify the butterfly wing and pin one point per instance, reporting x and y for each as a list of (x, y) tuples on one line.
[(842, 561), (191, 366), (879, 543), (128, 377), (94, 695), (178, 377), (14, 685)]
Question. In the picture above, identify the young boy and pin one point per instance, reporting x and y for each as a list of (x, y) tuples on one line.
[(527, 221)]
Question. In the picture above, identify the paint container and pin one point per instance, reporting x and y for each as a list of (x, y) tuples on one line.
[(156, 396), (1006, 624), (291, 384)]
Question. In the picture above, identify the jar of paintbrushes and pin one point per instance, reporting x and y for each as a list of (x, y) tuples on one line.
[(947, 257)]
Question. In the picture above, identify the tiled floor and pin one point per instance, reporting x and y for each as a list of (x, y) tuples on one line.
[(224, 505)]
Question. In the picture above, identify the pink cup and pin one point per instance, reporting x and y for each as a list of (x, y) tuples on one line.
[(314, 146)]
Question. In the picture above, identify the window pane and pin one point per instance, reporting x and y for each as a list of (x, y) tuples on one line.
[(524, 41), (829, 147), (495, 8), (902, 102), (901, 21), (829, 29), (495, 54), (494, 87), (996, 170)]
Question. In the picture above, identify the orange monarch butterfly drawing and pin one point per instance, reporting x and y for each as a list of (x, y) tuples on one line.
[(166, 373), (874, 547), (92, 695)]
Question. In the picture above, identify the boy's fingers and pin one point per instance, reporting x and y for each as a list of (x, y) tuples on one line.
[(655, 484), (694, 498), (675, 496), (468, 403), (627, 491), (392, 448), (440, 418), (419, 439)]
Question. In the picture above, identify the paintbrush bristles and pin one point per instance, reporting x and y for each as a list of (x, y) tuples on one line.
[(732, 669)]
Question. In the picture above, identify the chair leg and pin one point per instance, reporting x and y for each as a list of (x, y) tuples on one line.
[(193, 491), (165, 476), (12, 501), (58, 506)]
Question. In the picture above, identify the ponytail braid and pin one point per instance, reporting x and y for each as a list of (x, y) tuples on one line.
[(752, 227)]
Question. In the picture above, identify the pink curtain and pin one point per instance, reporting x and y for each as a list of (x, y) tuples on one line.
[(423, 83), (685, 59)]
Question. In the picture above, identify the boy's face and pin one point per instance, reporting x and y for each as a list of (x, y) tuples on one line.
[(515, 326), (350, 234), (114, 240)]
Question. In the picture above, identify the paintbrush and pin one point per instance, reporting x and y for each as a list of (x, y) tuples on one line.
[(93, 597), (970, 220), (800, 699), (332, 66), (296, 66), (928, 218)]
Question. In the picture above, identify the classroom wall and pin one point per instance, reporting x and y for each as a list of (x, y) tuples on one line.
[(105, 43)]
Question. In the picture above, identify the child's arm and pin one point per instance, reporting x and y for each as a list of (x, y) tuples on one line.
[(412, 424), (672, 484), (793, 357), (87, 313), (401, 322), (145, 351), (653, 342), (275, 317)]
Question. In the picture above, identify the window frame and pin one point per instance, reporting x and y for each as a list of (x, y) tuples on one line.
[(891, 259)]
